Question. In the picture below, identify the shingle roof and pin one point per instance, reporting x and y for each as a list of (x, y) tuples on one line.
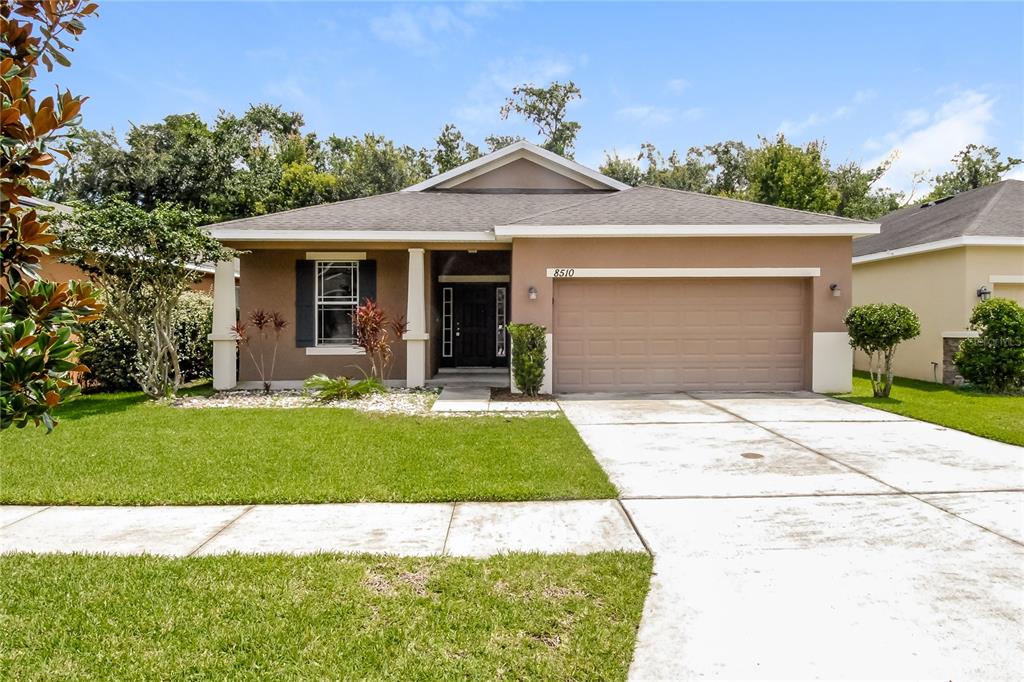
[(661, 206), (996, 210), (456, 211), (474, 211)]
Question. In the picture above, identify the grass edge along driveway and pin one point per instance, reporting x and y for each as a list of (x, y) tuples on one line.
[(999, 417), (122, 449), (518, 616)]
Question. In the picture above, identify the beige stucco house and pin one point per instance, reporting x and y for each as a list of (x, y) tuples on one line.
[(940, 259), (640, 289)]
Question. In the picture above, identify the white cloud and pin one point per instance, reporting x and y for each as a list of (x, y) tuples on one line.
[(677, 85), (485, 98), (417, 29), (815, 119), (645, 114), (927, 141), (1016, 174)]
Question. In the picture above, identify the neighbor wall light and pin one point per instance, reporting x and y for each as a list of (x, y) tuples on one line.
[(984, 292), (532, 293), (834, 288)]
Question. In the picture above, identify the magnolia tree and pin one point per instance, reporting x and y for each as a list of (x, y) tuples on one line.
[(38, 319), (140, 260), (877, 329)]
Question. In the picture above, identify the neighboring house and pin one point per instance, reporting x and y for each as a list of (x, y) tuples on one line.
[(55, 271), (640, 289), (940, 259)]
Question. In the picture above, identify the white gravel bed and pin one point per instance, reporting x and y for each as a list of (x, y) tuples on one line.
[(393, 402)]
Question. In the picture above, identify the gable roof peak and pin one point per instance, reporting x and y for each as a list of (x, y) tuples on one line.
[(513, 152)]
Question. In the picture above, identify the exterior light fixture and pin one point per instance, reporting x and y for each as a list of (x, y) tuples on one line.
[(532, 293), (834, 288), (984, 292)]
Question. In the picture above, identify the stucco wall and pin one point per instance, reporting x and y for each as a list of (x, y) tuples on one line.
[(520, 174), (941, 287), (531, 258), (985, 261), (933, 286), (268, 278)]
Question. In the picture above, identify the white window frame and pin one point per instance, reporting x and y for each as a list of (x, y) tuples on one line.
[(336, 302)]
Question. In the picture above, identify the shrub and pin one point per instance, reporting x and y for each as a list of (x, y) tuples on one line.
[(529, 348), (112, 362), (268, 327), (375, 332), (995, 360), (876, 329), (326, 390)]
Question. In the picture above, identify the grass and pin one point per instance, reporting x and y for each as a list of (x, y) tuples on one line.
[(519, 616), (122, 449), (998, 417)]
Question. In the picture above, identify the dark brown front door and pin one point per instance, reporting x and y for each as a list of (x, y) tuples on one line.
[(475, 325)]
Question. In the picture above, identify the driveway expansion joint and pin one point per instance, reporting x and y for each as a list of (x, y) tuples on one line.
[(26, 516)]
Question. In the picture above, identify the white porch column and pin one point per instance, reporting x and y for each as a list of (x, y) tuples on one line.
[(416, 315), (224, 349)]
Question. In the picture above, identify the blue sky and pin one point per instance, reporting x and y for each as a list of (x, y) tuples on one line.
[(922, 78)]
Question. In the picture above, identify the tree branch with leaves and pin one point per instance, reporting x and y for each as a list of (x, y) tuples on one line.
[(38, 319)]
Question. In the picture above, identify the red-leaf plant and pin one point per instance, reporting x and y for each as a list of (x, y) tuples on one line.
[(268, 325), (375, 332)]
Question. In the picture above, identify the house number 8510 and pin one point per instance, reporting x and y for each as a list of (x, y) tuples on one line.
[(564, 272)]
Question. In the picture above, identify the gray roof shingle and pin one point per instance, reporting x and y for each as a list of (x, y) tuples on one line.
[(473, 211), (662, 206), (457, 211), (996, 210)]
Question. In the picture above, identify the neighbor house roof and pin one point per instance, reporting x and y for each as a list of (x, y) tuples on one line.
[(993, 214)]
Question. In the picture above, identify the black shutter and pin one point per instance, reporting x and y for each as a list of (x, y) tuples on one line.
[(367, 281), (305, 303)]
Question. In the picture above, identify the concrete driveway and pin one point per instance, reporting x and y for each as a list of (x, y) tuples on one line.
[(796, 537)]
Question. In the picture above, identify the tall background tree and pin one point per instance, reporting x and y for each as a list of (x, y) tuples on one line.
[(546, 108), (263, 161), (975, 166), (37, 318)]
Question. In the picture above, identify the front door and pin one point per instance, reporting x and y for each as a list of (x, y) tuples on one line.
[(475, 327)]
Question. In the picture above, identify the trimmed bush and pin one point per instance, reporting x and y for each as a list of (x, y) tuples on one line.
[(112, 362), (995, 360), (877, 329), (529, 349), (323, 388)]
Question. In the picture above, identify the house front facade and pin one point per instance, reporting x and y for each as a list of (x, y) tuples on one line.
[(941, 258), (639, 289)]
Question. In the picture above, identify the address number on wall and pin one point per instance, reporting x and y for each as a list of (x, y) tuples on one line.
[(562, 272)]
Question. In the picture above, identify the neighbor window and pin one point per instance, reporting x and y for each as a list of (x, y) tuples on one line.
[(337, 296)]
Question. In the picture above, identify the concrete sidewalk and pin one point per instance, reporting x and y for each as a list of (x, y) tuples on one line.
[(475, 529)]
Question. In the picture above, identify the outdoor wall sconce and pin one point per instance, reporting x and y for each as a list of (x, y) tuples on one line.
[(834, 288), (532, 293), (984, 292)]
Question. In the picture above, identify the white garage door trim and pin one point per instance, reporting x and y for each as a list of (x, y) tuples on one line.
[(675, 273)]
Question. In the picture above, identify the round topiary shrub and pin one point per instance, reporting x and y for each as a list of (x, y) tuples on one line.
[(994, 361), (111, 363), (877, 329)]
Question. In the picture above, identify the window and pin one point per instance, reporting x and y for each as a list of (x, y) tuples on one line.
[(337, 296)]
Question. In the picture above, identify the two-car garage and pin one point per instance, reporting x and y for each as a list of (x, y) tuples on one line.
[(681, 334)]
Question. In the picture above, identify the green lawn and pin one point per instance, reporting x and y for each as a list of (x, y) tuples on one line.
[(519, 616), (121, 449), (992, 416)]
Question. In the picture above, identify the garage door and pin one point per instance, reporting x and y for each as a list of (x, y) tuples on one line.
[(682, 334)]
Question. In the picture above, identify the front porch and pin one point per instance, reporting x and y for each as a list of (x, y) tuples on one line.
[(454, 298)]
